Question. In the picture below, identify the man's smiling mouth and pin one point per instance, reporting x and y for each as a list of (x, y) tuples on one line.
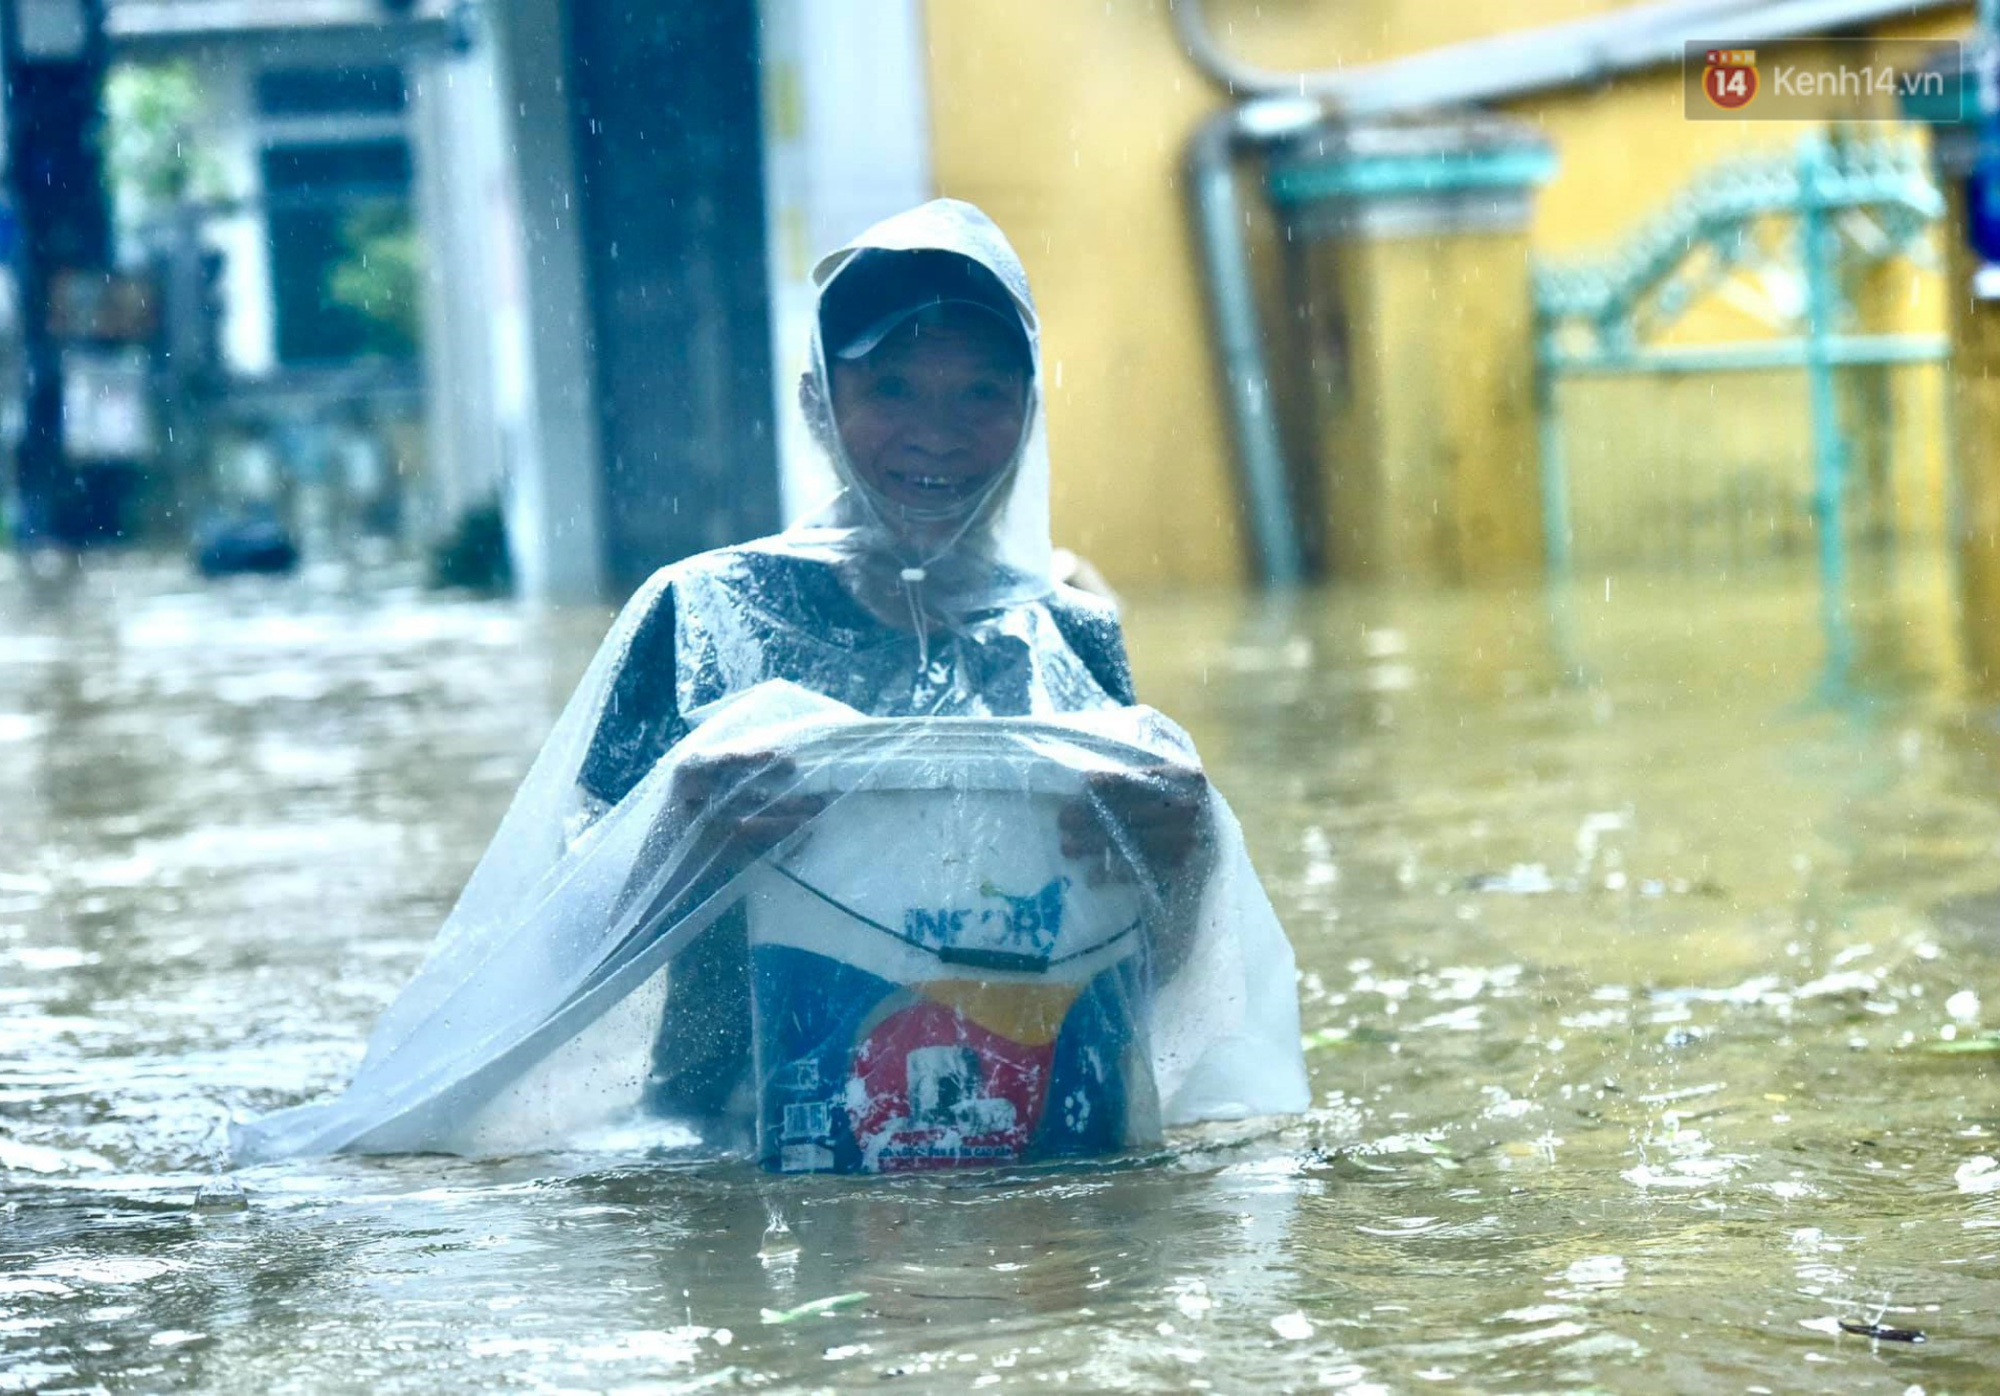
[(931, 484)]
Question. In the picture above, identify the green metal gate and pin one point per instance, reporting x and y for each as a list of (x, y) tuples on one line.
[(1794, 239)]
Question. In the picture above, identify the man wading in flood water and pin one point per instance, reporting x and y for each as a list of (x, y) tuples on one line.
[(922, 590)]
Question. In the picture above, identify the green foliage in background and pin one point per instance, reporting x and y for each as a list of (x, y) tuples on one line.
[(152, 153), (377, 279)]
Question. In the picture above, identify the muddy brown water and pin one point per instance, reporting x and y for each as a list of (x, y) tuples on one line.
[(1646, 977)]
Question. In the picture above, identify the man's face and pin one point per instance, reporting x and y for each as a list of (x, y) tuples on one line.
[(933, 413)]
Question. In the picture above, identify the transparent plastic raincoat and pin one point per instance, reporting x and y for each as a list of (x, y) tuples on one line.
[(832, 856)]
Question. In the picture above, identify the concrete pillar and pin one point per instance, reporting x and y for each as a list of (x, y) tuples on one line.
[(1421, 325), (454, 138), (1974, 308), (555, 502), (665, 115), (1975, 404)]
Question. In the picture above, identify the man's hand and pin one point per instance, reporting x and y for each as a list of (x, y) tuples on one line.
[(745, 799), (1160, 811)]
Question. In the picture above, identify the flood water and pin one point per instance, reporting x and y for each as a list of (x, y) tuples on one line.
[(1645, 977)]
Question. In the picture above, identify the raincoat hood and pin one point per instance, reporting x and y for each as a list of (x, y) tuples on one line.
[(999, 551)]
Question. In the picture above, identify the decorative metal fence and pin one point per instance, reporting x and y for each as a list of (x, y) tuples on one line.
[(1757, 370)]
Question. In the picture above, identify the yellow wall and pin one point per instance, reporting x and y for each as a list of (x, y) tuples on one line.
[(1066, 120), (1428, 446)]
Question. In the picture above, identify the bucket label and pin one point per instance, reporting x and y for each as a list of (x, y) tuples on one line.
[(1027, 925), (859, 1074), (958, 1072)]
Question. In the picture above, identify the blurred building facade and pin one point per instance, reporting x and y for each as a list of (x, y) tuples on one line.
[(1071, 124), (616, 208), (1401, 350), (260, 165)]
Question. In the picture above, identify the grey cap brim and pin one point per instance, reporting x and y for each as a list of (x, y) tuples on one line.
[(879, 330)]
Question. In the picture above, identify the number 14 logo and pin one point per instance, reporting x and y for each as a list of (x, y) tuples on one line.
[(1729, 77)]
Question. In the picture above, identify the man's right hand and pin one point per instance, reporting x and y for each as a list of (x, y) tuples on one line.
[(744, 801)]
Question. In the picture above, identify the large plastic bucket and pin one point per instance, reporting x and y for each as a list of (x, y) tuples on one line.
[(934, 983)]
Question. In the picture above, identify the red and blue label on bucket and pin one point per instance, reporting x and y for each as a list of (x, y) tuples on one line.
[(986, 1054), (861, 1075)]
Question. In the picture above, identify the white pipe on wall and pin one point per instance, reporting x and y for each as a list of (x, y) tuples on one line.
[(1535, 60)]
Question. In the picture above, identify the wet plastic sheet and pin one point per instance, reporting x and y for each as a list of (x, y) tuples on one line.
[(926, 914)]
